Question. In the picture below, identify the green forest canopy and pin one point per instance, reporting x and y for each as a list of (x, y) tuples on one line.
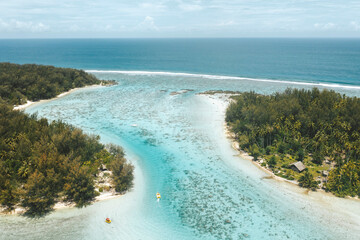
[(310, 124), (41, 162), (19, 83)]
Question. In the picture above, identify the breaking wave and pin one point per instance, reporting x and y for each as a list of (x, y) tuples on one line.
[(208, 76)]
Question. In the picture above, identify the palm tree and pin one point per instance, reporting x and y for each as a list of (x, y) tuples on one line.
[(307, 181)]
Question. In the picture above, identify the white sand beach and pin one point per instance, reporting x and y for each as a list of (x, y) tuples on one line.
[(29, 103), (344, 211)]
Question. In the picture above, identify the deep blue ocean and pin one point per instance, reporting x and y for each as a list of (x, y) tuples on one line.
[(307, 60), (177, 141)]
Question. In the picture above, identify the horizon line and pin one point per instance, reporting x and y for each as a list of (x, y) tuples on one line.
[(89, 38)]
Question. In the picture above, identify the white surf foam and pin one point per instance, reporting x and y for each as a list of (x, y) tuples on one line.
[(149, 73)]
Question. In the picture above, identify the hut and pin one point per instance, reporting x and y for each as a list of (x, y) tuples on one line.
[(297, 166)]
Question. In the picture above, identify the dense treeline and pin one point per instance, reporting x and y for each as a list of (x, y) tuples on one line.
[(303, 125), (19, 83), (42, 163)]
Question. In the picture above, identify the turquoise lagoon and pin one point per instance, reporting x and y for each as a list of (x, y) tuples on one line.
[(176, 140)]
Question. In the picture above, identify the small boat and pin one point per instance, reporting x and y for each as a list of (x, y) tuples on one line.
[(108, 220), (158, 196)]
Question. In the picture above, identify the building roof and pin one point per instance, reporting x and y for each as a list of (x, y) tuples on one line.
[(299, 166)]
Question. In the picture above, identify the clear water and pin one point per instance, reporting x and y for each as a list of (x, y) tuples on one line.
[(179, 149)]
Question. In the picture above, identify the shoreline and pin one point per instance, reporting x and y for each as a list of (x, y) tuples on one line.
[(106, 195), (343, 213), (224, 100), (245, 155), (30, 103), (65, 205)]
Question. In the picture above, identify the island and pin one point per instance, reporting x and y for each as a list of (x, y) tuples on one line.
[(43, 163), (33, 82), (311, 137)]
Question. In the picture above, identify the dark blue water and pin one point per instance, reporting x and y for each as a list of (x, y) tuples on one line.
[(308, 60)]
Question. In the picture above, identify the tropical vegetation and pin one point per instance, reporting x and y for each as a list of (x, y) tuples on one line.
[(319, 128), (20, 83), (44, 162)]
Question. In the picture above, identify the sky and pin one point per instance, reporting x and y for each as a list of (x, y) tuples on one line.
[(178, 18)]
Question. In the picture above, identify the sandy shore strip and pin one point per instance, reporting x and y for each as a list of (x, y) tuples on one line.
[(246, 156), (103, 196), (29, 103), (62, 205), (342, 213), (222, 100), (100, 182)]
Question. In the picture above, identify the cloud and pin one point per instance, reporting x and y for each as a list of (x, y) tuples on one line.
[(108, 27), (226, 23), (355, 25), (21, 26), (190, 7), (97, 28), (325, 26), (74, 28), (185, 18), (154, 6), (3, 24), (148, 24)]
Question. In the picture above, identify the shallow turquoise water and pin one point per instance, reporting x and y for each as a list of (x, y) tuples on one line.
[(179, 149)]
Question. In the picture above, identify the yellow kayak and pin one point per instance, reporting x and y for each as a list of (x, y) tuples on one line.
[(158, 196), (108, 220)]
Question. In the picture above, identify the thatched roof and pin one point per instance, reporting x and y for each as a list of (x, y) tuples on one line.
[(299, 166)]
